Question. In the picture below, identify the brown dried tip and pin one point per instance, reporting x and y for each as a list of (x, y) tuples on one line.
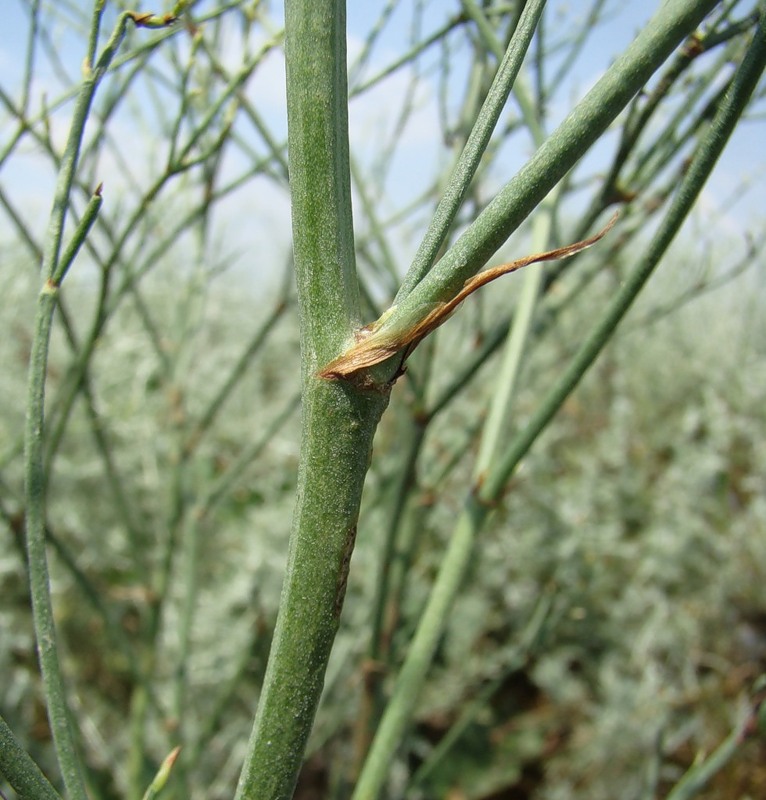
[(374, 344), (150, 20)]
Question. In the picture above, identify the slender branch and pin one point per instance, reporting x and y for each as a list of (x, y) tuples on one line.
[(39, 582), (699, 775), (466, 167), (702, 164), (551, 162), (479, 503), (20, 770), (54, 268)]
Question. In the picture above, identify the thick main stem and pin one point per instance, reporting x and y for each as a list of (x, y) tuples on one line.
[(338, 426), (339, 419)]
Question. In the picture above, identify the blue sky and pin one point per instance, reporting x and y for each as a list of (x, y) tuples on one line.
[(736, 189), (734, 199)]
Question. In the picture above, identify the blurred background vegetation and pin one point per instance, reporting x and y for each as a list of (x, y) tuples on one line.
[(613, 623)]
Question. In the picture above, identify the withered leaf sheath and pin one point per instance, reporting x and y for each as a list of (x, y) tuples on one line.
[(385, 337)]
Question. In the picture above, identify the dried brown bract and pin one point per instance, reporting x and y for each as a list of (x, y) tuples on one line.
[(377, 342)]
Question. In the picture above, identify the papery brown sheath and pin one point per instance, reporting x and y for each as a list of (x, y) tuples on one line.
[(387, 336)]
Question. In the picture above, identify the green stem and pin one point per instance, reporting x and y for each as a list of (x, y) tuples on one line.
[(491, 438), (78, 238), (39, 582), (65, 180), (562, 150), (532, 284), (95, 28), (478, 505), (702, 164), (161, 778), (20, 771), (470, 158), (337, 436), (339, 420), (702, 772), (452, 197), (420, 654), (320, 182), (528, 640), (695, 780), (415, 435), (29, 64), (408, 57), (54, 269)]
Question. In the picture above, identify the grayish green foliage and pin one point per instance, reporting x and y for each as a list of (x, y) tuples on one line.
[(582, 603)]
